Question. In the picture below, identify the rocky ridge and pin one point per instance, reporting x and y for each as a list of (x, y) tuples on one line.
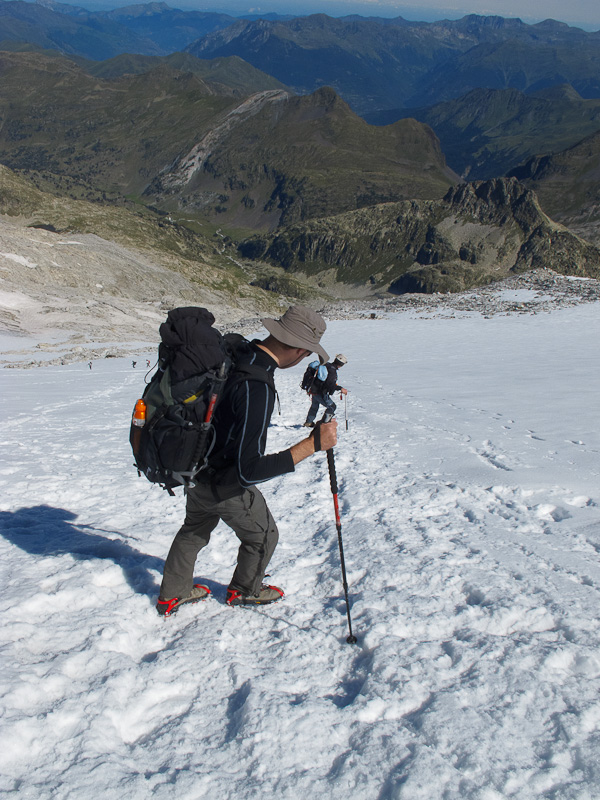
[(479, 232)]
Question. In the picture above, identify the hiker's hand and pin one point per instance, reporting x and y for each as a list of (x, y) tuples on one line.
[(322, 437), (327, 435), (343, 391)]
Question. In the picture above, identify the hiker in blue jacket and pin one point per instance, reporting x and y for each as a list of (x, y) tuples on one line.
[(320, 381)]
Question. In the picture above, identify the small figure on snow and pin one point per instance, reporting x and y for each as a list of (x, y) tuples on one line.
[(320, 382)]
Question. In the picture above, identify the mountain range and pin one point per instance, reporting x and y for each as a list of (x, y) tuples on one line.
[(374, 64), (300, 136), (197, 149), (404, 64), (495, 91)]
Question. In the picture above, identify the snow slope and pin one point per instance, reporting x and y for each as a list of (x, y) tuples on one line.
[(470, 513)]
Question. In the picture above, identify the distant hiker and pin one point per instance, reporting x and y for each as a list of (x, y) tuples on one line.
[(226, 489), (320, 382), (147, 362), (133, 364), (90, 364)]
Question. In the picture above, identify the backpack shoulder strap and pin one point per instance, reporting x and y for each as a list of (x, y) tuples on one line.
[(241, 353), (250, 372)]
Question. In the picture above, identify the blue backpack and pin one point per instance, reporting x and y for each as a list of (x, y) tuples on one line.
[(317, 378)]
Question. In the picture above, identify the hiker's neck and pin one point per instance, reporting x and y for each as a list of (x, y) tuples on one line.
[(269, 351), (283, 355)]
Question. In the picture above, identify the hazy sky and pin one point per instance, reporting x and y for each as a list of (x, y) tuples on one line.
[(585, 13)]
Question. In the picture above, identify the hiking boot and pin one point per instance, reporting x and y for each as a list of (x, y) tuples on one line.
[(167, 607), (309, 425), (266, 594)]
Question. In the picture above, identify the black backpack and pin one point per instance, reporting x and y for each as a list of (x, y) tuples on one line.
[(310, 382), (173, 436), (309, 378)]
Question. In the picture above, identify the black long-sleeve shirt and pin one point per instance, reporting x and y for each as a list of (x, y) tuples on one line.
[(242, 421)]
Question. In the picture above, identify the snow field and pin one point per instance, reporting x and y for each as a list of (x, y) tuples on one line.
[(468, 487)]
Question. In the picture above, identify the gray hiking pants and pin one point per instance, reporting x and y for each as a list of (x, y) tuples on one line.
[(247, 514)]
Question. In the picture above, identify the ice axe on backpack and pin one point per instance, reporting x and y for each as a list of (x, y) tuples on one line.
[(327, 417)]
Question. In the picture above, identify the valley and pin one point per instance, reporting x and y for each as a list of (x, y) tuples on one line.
[(250, 163)]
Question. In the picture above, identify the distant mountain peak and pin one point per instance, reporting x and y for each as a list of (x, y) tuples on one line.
[(142, 9), (494, 21)]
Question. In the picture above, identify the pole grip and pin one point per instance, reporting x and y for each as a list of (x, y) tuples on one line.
[(332, 474)]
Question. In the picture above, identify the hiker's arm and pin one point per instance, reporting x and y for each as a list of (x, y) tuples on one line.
[(306, 447), (254, 405), (256, 401)]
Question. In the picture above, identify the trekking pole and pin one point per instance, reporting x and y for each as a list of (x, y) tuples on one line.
[(346, 409), (327, 417), (219, 379)]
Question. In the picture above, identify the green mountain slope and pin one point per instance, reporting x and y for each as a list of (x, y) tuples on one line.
[(568, 185), (487, 132), (294, 158), (221, 73), (114, 135), (174, 140)]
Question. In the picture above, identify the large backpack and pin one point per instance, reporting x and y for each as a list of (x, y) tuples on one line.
[(195, 364), (319, 378), (309, 377)]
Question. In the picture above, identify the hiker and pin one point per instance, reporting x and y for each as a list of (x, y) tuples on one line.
[(320, 381), (134, 364), (227, 488)]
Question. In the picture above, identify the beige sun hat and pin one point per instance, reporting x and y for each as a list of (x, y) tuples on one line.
[(299, 327)]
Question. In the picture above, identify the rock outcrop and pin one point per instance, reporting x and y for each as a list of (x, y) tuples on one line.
[(478, 233)]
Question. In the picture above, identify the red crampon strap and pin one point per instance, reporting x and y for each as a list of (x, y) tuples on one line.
[(170, 605), (232, 594)]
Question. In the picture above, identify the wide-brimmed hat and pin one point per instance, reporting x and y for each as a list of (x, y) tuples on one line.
[(299, 327)]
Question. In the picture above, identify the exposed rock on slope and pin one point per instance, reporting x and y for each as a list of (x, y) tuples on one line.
[(79, 289), (278, 159), (78, 274), (478, 233), (251, 162)]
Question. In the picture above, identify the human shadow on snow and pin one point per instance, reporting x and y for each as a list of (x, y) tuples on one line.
[(47, 531)]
